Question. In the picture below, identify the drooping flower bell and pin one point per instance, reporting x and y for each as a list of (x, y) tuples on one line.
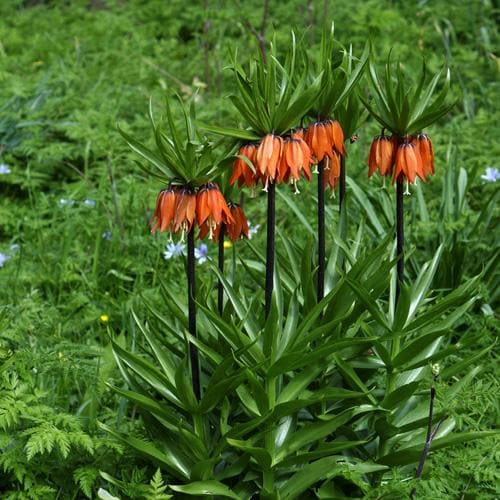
[(238, 228), (382, 155), (295, 158), (235, 229), (242, 173), (424, 146), (211, 208), (332, 171), (164, 213), (408, 163), (324, 139), (268, 156), (185, 210)]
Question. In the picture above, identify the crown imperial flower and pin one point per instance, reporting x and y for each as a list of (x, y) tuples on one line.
[(381, 155), (408, 162), (211, 208), (424, 145), (325, 138), (242, 173), (268, 156)]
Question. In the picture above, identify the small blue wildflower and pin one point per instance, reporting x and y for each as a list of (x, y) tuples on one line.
[(201, 253), (252, 230), (107, 235), (174, 250), (4, 169), (89, 203), (65, 202), (491, 174), (14, 248), (3, 259)]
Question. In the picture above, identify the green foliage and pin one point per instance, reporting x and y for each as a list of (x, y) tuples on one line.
[(284, 396), (188, 160), (403, 108), (338, 76), (273, 95)]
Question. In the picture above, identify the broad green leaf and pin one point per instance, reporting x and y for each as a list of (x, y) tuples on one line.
[(246, 135), (311, 433), (161, 356), (321, 470), (365, 203), (322, 450), (402, 393), (353, 378), (423, 282), (146, 153), (170, 461), (149, 374), (412, 454), (205, 488), (260, 454)]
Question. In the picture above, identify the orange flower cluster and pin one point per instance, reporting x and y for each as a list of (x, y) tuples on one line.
[(273, 159), (180, 207), (285, 159), (402, 157), (326, 140)]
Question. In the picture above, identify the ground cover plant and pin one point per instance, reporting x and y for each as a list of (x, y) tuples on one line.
[(295, 399)]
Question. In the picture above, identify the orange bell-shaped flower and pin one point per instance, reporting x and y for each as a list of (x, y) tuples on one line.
[(317, 138), (238, 228), (337, 136), (408, 162), (381, 155), (424, 145), (185, 210), (211, 207), (268, 156), (295, 158), (325, 138), (332, 171), (164, 213), (242, 173), (235, 228)]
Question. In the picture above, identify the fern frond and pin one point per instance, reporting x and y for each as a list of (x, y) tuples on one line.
[(86, 478)]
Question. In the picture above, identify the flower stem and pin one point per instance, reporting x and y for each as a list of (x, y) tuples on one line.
[(220, 288), (321, 231), (400, 236), (431, 434), (271, 223), (191, 280)]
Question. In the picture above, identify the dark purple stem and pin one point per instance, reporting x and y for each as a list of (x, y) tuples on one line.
[(321, 231), (400, 236), (220, 287), (191, 280), (271, 223)]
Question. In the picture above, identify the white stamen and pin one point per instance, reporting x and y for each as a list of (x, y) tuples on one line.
[(407, 190)]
